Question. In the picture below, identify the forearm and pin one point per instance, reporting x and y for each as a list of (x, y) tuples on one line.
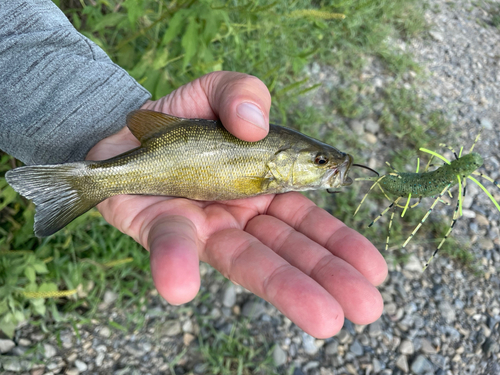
[(59, 92)]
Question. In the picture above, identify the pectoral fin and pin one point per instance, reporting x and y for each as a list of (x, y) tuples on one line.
[(253, 185)]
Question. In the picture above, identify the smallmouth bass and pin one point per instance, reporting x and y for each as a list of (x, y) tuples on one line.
[(191, 158)]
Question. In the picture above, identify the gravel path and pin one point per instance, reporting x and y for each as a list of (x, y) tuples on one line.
[(444, 321)]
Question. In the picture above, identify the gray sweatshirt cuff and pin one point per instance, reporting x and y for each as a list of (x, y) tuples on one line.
[(60, 93)]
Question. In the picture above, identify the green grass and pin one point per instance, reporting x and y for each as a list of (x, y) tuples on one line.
[(235, 352), (167, 44)]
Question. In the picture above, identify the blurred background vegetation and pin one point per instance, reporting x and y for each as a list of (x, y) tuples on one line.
[(165, 44)]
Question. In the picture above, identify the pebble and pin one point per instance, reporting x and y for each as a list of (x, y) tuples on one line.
[(109, 297), (229, 298), (72, 371), (402, 363), (438, 37), (413, 264), (6, 345), (309, 344), (356, 348), (377, 366), (372, 126), (343, 336), (406, 347), (279, 356), (49, 351), (12, 364), (427, 347), (253, 309), (331, 348), (187, 326), (421, 365), (375, 329), (187, 338), (105, 332), (447, 311), (80, 365), (486, 123), (100, 358), (357, 127), (170, 328)]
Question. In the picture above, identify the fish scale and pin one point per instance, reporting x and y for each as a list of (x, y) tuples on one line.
[(191, 158)]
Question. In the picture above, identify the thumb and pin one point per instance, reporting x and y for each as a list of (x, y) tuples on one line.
[(241, 101)]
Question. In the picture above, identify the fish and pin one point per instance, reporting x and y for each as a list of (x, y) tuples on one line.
[(191, 158)]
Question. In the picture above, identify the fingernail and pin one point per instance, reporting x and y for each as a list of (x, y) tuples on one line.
[(251, 113)]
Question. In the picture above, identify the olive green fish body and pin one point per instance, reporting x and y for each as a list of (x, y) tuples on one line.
[(191, 158)]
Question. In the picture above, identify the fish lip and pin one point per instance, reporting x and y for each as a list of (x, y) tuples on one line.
[(338, 176)]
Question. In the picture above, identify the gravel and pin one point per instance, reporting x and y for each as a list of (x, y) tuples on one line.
[(445, 320)]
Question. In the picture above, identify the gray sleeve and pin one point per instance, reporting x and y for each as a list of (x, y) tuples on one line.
[(59, 92)]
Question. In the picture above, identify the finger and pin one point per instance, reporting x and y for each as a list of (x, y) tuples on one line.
[(248, 262), (241, 101), (174, 258), (360, 300), (321, 227)]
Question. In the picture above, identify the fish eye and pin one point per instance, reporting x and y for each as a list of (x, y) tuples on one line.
[(321, 160)]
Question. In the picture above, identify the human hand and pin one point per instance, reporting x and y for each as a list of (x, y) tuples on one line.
[(283, 248)]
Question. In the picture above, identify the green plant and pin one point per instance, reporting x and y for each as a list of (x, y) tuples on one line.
[(236, 352)]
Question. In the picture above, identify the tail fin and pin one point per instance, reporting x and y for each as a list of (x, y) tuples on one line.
[(56, 190)]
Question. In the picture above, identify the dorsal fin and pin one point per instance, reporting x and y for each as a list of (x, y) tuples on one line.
[(144, 123)]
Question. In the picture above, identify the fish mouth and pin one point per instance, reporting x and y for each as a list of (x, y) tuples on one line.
[(338, 174)]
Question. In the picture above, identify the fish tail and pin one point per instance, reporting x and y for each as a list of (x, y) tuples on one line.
[(57, 191)]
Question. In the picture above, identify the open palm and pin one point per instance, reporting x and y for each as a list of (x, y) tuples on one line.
[(283, 248)]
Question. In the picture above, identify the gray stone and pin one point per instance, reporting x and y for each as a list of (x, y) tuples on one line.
[(343, 336), (49, 351), (99, 359), (72, 371), (486, 123), (356, 348), (170, 328), (309, 366), (200, 368), (229, 298), (187, 326), (375, 329), (24, 342), (402, 363), (81, 366), (406, 347), (421, 365), (332, 347), (12, 364), (390, 308), (109, 297), (413, 264), (279, 356), (427, 347), (105, 332), (6, 345), (133, 350), (377, 366), (437, 36), (490, 347), (309, 344), (357, 127), (447, 311), (253, 309), (372, 126)]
